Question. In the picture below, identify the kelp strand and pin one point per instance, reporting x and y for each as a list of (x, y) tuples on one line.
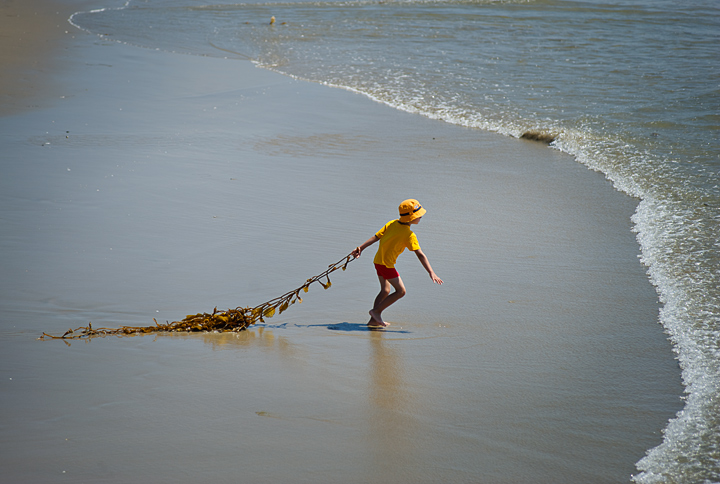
[(231, 320)]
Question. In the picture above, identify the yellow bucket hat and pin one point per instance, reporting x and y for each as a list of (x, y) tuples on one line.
[(410, 210)]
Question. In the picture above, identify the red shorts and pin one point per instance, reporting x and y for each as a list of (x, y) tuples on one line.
[(386, 272)]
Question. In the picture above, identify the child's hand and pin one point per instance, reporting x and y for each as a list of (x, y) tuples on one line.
[(435, 278), (358, 250)]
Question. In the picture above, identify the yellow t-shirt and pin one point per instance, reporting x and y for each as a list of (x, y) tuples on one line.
[(394, 239)]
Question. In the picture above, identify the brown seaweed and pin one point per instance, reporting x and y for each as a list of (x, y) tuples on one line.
[(540, 136), (231, 320)]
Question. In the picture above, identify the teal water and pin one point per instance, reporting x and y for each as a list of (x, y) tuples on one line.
[(630, 88)]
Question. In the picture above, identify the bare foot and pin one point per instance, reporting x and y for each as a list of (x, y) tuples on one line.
[(376, 321)]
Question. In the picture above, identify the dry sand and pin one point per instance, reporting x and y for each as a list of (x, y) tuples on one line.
[(147, 184)]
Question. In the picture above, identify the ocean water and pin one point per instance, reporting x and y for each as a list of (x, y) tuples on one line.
[(629, 88)]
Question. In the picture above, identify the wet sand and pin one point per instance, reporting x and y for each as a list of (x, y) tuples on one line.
[(137, 184)]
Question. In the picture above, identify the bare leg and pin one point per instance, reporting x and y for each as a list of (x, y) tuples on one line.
[(384, 299)]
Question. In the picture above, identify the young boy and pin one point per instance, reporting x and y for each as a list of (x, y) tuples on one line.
[(394, 237)]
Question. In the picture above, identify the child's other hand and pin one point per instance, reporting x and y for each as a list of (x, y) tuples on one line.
[(435, 278), (356, 253)]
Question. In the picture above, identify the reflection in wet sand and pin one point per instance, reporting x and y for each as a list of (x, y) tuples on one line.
[(257, 336), (393, 424)]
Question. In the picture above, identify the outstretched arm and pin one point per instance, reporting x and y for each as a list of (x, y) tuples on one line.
[(426, 264), (358, 250)]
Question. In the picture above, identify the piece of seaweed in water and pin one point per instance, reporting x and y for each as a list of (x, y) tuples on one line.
[(540, 136)]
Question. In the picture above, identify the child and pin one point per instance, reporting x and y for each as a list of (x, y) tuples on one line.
[(394, 238)]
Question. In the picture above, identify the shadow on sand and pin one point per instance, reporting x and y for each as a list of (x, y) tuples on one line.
[(359, 327)]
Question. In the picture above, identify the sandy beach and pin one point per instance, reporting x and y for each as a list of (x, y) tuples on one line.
[(140, 184)]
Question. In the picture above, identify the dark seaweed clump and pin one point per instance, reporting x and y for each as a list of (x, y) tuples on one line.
[(540, 136)]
